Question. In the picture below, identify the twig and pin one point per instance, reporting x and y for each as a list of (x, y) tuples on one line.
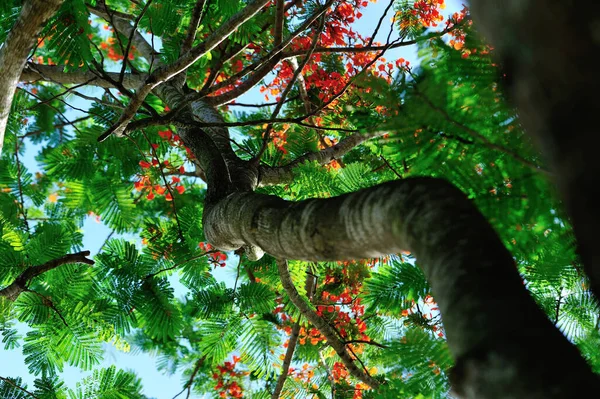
[(188, 385), (175, 266), (20, 186), (287, 90), (167, 186)]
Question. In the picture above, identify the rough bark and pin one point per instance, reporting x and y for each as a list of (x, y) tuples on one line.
[(472, 275), (548, 51), (15, 51)]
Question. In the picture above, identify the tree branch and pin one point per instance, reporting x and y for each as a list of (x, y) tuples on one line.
[(54, 73), (188, 41), (282, 174), (328, 332), (165, 73), (15, 50), (472, 275), (18, 286), (20, 388), (263, 66), (123, 26), (287, 360)]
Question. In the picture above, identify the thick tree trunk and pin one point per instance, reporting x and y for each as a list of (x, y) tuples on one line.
[(504, 344), (548, 50), (15, 51)]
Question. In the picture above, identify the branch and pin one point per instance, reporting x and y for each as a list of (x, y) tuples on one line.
[(286, 91), (287, 360), (122, 25), (328, 332), (188, 41), (18, 286), (472, 275), (54, 73), (188, 384), (263, 66), (278, 175), (365, 49), (165, 73), (480, 137), (15, 50), (279, 18), (20, 388)]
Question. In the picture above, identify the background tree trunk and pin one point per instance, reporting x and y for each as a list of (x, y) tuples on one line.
[(548, 49)]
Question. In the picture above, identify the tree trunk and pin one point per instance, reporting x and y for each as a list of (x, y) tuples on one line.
[(15, 51), (548, 50)]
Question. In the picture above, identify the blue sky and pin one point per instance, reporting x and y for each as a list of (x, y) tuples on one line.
[(155, 383)]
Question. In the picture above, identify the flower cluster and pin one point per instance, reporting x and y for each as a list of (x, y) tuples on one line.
[(217, 258), (229, 379)]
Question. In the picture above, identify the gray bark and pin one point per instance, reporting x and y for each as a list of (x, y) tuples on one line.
[(548, 50), (473, 277), (15, 51)]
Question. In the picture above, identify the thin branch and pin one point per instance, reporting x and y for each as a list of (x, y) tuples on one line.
[(121, 23), (367, 49), (263, 66), (48, 302), (480, 137), (20, 186), (130, 40), (108, 237), (558, 303), (287, 90), (329, 374), (236, 104), (362, 341), (281, 174), (10, 382), (167, 186), (279, 18), (188, 41), (19, 285), (56, 126), (188, 384), (390, 167), (328, 332), (287, 360), (165, 73), (237, 275), (175, 266), (391, 3)]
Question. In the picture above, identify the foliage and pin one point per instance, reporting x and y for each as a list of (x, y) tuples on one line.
[(155, 285)]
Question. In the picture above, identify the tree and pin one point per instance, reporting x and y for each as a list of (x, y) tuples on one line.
[(320, 193)]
